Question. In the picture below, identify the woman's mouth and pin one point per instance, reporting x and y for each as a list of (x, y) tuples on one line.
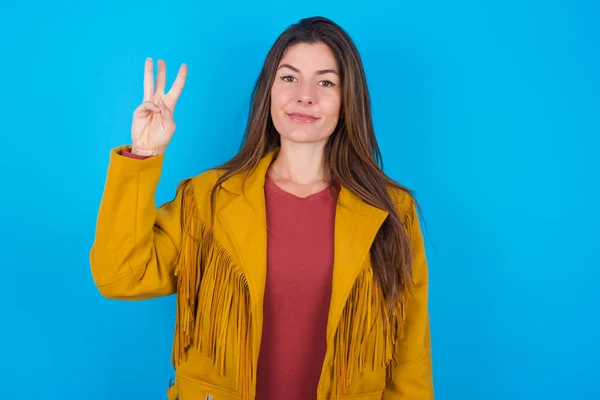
[(302, 118)]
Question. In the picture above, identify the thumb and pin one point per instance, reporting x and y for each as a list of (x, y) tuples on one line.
[(167, 115), (164, 108)]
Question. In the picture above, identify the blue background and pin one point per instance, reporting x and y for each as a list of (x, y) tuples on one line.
[(490, 110)]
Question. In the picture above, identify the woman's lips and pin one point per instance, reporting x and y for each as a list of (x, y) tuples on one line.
[(302, 118)]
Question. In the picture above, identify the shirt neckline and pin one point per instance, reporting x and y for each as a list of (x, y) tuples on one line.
[(271, 185)]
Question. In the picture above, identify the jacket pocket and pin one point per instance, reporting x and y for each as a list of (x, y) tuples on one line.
[(192, 389)]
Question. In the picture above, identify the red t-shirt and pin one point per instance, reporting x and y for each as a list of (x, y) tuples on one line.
[(300, 246), (297, 294)]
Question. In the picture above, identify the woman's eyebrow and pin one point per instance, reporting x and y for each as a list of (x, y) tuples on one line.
[(319, 72)]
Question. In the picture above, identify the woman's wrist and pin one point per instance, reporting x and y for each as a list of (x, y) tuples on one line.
[(143, 153)]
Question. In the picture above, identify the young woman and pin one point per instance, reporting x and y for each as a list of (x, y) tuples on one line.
[(299, 266)]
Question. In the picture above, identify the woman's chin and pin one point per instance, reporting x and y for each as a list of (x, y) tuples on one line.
[(302, 136)]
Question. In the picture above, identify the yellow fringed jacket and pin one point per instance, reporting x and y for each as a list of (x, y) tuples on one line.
[(218, 274)]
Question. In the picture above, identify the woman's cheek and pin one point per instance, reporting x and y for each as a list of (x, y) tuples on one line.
[(332, 107)]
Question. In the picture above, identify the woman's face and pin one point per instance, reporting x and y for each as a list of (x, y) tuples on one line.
[(306, 94)]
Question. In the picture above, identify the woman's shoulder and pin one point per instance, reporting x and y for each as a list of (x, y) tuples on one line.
[(200, 186), (403, 198), (193, 194), (406, 204), (206, 180)]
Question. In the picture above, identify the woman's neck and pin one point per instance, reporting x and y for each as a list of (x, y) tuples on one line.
[(301, 163)]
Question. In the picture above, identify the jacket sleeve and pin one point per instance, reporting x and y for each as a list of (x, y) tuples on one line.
[(136, 244), (412, 377)]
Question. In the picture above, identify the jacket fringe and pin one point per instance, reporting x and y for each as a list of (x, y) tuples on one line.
[(366, 335), (212, 294), (367, 332)]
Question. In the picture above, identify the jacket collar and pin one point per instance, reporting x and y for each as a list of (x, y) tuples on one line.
[(356, 224)]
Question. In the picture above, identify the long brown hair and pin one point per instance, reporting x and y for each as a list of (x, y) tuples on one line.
[(352, 152)]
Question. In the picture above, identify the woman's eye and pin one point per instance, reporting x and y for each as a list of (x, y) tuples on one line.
[(290, 78)]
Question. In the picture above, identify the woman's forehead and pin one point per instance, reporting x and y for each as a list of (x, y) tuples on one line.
[(309, 57)]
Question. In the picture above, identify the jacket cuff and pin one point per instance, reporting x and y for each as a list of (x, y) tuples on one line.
[(122, 157)]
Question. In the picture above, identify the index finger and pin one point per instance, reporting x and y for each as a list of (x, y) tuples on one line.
[(177, 87)]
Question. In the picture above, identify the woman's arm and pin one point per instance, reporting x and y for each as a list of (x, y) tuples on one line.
[(136, 245), (412, 377)]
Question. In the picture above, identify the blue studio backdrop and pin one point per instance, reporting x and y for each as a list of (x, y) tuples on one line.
[(489, 110)]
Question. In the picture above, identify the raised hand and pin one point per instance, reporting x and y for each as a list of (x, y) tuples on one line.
[(153, 125)]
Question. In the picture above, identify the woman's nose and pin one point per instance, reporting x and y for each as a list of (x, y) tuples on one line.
[(306, 94)]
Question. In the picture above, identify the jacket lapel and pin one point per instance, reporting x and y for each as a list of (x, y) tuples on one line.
[(245, 220), (356, 224)]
